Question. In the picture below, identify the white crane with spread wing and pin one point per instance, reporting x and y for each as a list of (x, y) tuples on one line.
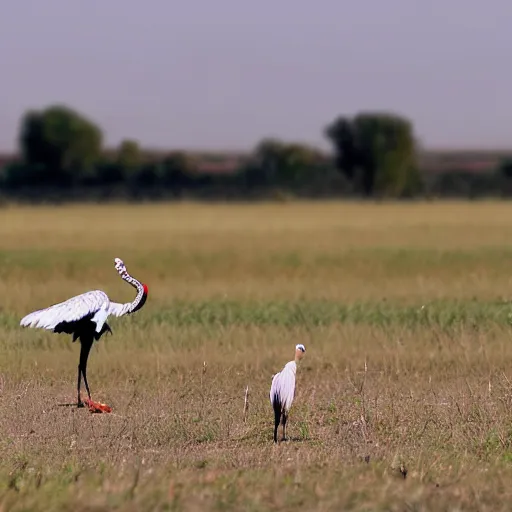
[(85, 317)]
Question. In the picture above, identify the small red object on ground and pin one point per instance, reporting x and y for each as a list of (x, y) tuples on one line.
[(97, 407)]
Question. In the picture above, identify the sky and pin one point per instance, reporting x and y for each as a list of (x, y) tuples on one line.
[(223, 74)]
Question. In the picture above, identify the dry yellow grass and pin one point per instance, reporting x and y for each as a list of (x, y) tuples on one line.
[(232, 289)]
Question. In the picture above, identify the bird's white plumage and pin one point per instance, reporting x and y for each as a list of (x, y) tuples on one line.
[(95, 303), (100, 317), (70, 310), (283, 386), (116, 309)]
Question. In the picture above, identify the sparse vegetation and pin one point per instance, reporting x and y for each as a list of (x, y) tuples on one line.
[(404, 399)]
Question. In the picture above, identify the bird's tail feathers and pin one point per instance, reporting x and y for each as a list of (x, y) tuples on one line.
[(276, 403)]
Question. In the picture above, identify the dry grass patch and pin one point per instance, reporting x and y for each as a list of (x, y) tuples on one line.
[(399, 406)]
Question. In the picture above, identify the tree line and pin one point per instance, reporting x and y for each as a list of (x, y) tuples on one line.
[(374, 155)]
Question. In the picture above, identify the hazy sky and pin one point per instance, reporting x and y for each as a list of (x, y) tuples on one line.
[(225, 73)]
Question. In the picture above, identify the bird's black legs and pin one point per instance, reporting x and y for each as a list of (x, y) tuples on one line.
[(277, 420), (85, 348), (280, 417), (79, 402), (84, 373), (285, 417)]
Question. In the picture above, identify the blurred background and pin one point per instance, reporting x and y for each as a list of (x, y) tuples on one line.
[(224, 100)]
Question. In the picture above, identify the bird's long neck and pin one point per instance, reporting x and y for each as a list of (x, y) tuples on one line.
[(142, 293)]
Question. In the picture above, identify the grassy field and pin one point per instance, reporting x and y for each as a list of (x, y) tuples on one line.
[(404, 396)]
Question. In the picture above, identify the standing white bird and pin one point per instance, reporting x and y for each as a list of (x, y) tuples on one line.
[(85, 317), (282, 391)]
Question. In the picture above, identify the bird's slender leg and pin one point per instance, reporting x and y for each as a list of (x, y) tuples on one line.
[(79, 402), (85, 348), (84, 373), (277, 420), (285, 417)]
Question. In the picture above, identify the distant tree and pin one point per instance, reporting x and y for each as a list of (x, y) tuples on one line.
[(129, 155), (302, 162), (376, 152), (108, 173), (341, 133), (505, 168), (17, 174), (147, 176), (60, 142), (269, 160), (177, 166), (178, 172), (283, 165)]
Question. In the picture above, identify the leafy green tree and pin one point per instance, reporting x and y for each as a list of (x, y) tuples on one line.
[(60, 142), (376, 152)]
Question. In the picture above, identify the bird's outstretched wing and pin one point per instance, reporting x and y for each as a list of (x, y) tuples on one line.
[(70, 310)]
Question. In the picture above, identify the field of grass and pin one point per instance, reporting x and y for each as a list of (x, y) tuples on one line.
[(404, 397)]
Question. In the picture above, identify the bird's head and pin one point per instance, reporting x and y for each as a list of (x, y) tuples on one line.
[(120, 266), (300, 349)]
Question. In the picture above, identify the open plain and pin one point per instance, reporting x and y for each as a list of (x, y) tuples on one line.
[(404, 397)]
